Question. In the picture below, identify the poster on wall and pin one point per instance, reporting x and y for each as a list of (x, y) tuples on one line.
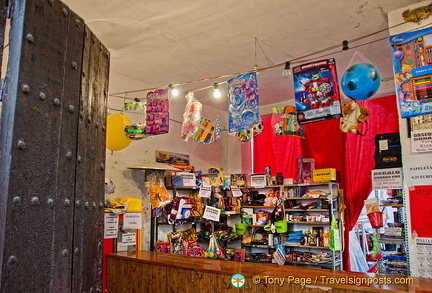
[(420, 198), (412, 64), (243, 99), (316, 90), (157, 120)]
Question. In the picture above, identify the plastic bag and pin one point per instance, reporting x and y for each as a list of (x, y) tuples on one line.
[(335, 241), (159, 195), (191, 116), (214, 250)]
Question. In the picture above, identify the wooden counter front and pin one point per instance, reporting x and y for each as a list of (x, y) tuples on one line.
[(147, 271)]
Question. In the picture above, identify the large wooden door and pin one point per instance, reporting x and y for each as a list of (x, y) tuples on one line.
[(52, 147)]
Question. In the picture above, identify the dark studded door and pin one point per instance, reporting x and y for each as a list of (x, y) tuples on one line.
[(52, 151)]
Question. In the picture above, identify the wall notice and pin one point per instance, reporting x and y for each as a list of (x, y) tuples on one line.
[(419, 174), (111, 225), (132, 221), (390, 178), (422, 257), (421, 141)]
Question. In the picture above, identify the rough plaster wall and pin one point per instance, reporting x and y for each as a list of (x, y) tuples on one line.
[(408, 157)]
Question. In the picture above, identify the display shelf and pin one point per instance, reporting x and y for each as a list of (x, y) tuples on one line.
[(160, 227), (309, 210), (258, 207), (328, 199), (308, 223), (390, 240), (257, 245), (307, 246), (321, 265), (394, 248)]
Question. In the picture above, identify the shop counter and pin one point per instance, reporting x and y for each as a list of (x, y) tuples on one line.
[(147, 271)]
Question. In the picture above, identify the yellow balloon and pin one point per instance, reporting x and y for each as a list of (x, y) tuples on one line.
[(116, 138)]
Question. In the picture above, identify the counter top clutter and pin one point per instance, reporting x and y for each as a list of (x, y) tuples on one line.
[(295, 224), (146, 271)]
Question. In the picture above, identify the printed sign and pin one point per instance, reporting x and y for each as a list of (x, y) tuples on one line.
[(111, 225), (129, 239), (258, 180), (236, 192), (421, 141), (212, 214), (422, 258), (189, 179), (390, 178), (419, 174), (132, 221), (205, 191)]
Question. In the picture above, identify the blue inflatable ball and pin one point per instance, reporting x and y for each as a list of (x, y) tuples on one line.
[(361, 81)]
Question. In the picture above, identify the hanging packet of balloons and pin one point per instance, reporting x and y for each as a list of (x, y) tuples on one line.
[(316, 90), (157, 120), (243, 101), (412, 64)]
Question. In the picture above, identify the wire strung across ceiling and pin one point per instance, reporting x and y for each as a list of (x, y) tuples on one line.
[(298, 60)]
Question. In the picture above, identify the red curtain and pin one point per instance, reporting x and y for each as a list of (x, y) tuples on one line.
[(277, 152), (351, 155)]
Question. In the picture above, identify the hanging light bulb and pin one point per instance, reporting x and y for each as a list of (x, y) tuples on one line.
[(287, 70), (216, 93), (174, 91)]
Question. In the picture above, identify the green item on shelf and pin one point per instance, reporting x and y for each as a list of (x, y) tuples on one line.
[(241, 228), (335, 241), (281, 226)]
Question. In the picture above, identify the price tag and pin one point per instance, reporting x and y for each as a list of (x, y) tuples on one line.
[(236, 192), (205, 191), (212, 213)]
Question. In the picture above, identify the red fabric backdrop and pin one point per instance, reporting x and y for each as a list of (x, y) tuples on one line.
[(350, 154)]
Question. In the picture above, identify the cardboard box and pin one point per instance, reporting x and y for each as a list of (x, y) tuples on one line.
[(324, 175)]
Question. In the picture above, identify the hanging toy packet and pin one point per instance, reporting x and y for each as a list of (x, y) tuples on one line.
[(243, 101), (191, 117), (206, 132), (157, 121)]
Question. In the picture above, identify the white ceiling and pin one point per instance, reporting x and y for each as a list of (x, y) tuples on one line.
[(157, 42)]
